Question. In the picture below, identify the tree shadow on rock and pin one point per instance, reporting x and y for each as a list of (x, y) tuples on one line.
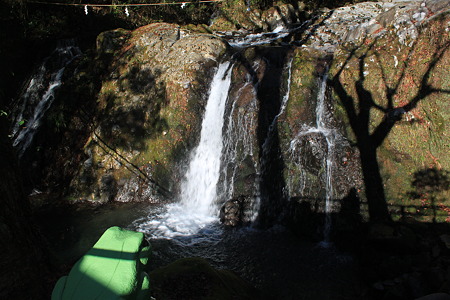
[(270, 96), (133, 117), (372, 116)]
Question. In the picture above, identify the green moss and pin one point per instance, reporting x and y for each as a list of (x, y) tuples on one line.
[(419, 140), (303, 83)]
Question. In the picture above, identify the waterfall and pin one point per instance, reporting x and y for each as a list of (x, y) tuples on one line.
[(268, 155), (199, 190), (268, 141), (38, 101), (197, 207), (322, 128), (330, 138), (239, 152)]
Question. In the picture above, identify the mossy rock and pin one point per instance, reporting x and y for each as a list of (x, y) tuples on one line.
[(149, 105), (414, 78), (307, 65), (194, 278)]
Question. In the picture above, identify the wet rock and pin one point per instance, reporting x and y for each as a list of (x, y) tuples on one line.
[(108, 188), (307, 148), (233, 212)]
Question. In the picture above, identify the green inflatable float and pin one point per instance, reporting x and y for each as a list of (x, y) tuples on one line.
[(112, 269)]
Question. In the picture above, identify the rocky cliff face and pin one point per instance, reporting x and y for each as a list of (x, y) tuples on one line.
[(397, 73), (149, 107), (136, 105), (310, 141)]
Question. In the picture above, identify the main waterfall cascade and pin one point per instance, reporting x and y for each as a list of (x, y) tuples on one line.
[(226, 164), (190, 227), (40, 94), (197, 206)]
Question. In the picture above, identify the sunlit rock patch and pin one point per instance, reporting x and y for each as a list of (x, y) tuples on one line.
[(409, 81)]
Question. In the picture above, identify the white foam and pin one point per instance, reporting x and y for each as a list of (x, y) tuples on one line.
[(197, 207)]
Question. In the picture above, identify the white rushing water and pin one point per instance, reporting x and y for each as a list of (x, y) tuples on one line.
[(245, 39), (24, 130), (199, 190), (269, 140), (197, 207)]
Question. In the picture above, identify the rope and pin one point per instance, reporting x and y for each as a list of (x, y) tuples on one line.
[(114, 5)]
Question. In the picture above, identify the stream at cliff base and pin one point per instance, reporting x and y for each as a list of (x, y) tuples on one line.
[(274, 260)]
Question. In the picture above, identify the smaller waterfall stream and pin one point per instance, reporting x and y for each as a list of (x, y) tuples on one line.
[(54, 65), (323, 128), (197, 206), (268, 155), (239, 149), (330, 138), (284, 101)]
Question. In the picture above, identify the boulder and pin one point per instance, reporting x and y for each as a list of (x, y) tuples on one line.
[(233, 212), (152, 92), (354, 23)]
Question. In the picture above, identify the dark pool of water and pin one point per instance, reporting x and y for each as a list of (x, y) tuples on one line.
[(275, 261)]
